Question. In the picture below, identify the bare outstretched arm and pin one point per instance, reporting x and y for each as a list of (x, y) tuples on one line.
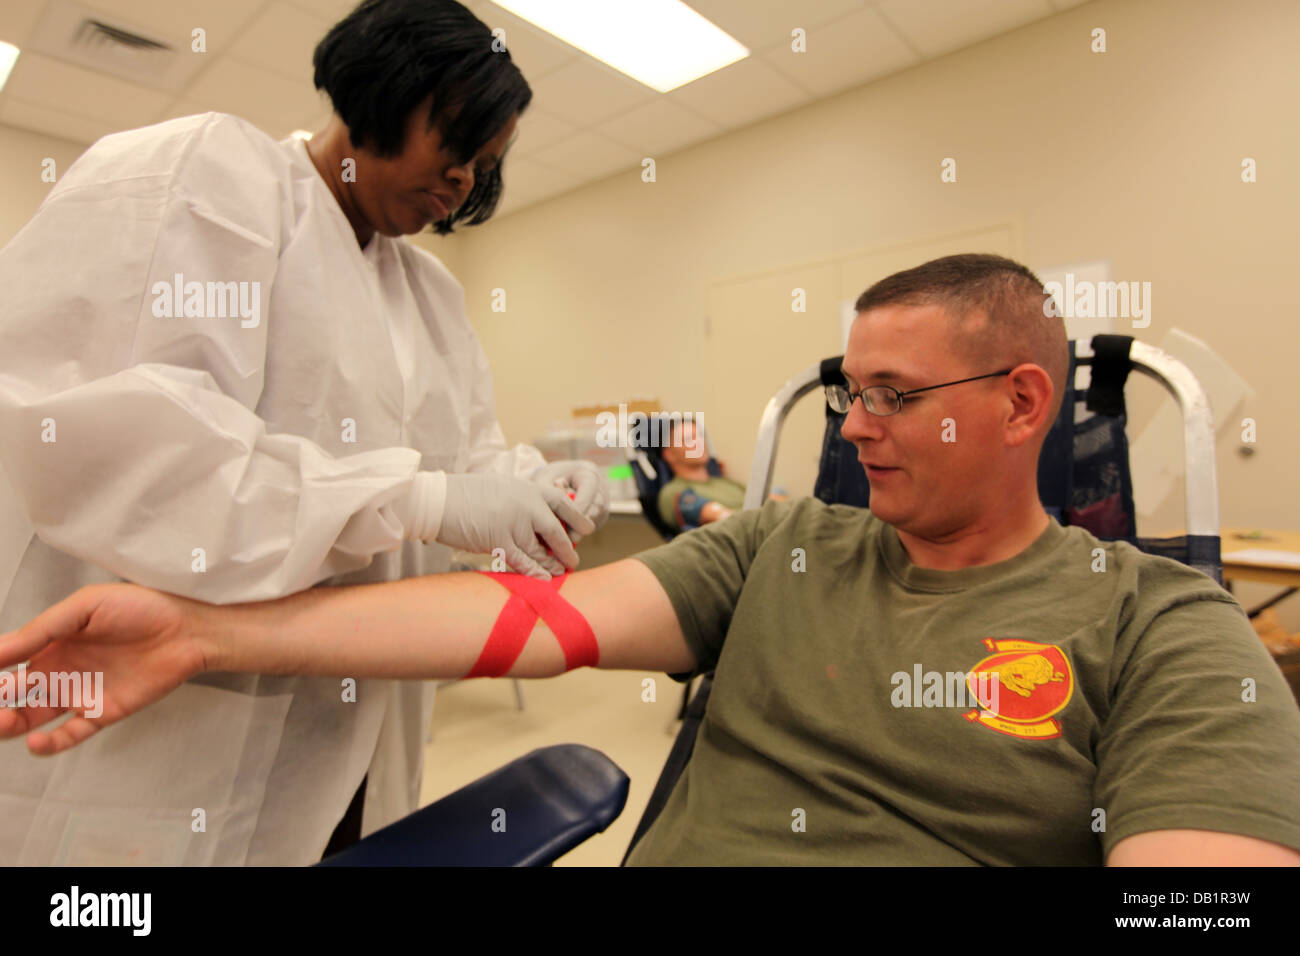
[(146, 643)]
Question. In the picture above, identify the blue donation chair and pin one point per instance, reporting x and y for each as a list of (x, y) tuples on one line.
[(554, 798)]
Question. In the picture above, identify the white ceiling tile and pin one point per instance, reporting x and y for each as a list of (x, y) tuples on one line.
[(52, 84), (585, 92), (760, 24), (174, 20), (588, 156), (331, 11), (17, 18), (62, 34), (539, 129), (740, 93), (848, 52), (281, 40), (534, 51), (51, 122), (274, 103), (658, 127), (936, 27)]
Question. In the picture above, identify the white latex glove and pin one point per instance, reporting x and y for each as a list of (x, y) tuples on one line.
[(590, 489), (482, 512)]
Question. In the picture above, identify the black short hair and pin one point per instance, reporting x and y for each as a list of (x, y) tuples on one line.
[(386, 57)]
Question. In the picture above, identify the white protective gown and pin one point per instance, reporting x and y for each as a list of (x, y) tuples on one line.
[(276, 448)]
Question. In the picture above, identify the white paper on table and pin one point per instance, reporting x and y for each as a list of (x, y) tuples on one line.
[(1269, 556)]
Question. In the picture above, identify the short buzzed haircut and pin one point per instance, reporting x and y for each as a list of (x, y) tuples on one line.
[(996, 309)]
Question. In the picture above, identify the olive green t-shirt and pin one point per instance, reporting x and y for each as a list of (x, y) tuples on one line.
[(1131, 695), (728, 493)]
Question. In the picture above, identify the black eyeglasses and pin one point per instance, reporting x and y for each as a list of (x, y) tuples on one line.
[(885, 399)]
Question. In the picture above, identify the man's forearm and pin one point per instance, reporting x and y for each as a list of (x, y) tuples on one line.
[(435, 627)]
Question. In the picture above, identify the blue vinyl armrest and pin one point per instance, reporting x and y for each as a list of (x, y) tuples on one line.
[(554, 798)]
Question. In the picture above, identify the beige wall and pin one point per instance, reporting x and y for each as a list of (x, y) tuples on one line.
[(21, 157)]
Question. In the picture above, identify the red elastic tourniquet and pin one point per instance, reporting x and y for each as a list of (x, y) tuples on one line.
[(531, 599), (507, 640)]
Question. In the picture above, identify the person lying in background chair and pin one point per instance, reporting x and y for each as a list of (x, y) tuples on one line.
[(694, 497), (1110, 720)]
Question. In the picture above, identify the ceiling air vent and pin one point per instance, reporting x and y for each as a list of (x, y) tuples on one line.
[(95, 34), (91, 39)]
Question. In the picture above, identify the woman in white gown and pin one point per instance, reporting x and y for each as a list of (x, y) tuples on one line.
[(225, 375)]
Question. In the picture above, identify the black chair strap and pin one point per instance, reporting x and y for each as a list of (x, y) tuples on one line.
[(830, 370), (1110, 367)]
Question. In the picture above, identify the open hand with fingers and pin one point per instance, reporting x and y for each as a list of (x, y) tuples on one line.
[(142, 641)]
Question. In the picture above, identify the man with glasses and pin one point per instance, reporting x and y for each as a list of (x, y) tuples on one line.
[(950, 678)]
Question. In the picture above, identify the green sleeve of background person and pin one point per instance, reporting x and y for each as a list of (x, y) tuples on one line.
[(728, 493), (807, 755)]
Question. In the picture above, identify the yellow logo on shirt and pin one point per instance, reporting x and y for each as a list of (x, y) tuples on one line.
[(1040, 682)]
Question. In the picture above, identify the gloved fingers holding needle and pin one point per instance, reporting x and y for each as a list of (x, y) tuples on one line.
[(590, 490), (482, 513)]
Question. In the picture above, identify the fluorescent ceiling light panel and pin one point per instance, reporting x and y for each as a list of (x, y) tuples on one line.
[(661, 43), (8, 57)]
